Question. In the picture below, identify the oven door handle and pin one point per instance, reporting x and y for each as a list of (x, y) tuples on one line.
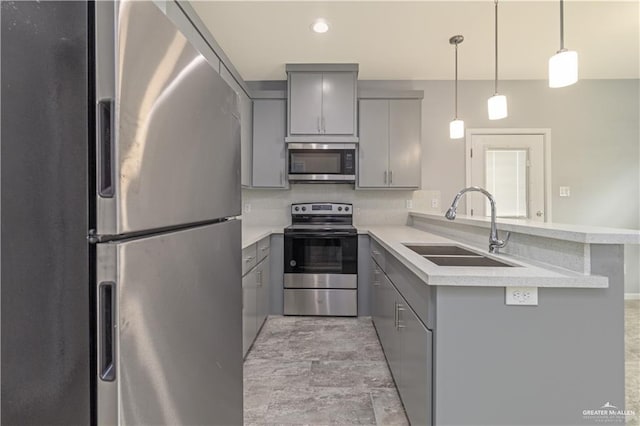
[(321, 234)]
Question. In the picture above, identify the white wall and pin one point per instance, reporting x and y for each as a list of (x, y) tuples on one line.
[(595, 144)]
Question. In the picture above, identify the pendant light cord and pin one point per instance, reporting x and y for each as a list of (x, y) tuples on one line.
[(456, 85), (561, 25), (496, 46)]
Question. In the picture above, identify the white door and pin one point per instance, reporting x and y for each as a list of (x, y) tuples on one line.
[(512, 168)]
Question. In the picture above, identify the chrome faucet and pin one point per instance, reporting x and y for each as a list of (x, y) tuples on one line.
[(494, 242)]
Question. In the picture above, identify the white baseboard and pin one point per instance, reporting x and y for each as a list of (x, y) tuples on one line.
[(632, 296)]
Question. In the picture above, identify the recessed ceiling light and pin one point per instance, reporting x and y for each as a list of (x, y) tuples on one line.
[(320, 26)]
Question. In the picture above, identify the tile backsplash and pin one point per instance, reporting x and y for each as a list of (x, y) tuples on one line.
[(371, 207)]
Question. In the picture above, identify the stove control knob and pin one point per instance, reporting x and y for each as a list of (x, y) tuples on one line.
[(297, 208), (304, 208), (339, 209), (346, 209)]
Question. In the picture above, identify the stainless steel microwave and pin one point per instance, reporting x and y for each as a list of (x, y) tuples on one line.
[(314, 162)]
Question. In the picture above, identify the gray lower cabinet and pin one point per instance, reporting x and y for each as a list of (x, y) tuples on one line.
[(255, 291), (249, 309), (407, 345), (269, 149), (389, 152)]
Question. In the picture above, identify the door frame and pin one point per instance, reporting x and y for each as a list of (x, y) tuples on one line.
[(544, 132)]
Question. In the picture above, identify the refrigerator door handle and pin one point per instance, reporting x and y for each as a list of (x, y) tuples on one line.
[(105, 148), (106, 327)]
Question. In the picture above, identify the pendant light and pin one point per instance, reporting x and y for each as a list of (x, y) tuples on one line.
[(456, 127), (497, 103), (563, 66)]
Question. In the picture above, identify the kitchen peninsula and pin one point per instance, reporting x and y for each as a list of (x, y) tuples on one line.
[(451, 339)]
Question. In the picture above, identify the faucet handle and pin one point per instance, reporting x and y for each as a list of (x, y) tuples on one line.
[(502, 243)]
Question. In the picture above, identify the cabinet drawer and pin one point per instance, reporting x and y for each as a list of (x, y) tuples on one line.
[(263, 248), (378, 254), (249, 258), (321, 302)]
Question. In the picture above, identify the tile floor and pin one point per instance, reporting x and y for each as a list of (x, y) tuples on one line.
[(307, 370)]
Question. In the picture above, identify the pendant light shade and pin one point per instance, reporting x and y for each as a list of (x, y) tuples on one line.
[(497, 107), (563, 66), (456, 127), (497, 104)]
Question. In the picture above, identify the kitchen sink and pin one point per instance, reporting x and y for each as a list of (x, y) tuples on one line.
[(466, 261), (450, 255), (441, 250)]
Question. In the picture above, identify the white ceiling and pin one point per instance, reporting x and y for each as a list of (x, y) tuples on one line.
[(410, 40)]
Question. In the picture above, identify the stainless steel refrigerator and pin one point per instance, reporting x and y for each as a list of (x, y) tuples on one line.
[(121, 270)]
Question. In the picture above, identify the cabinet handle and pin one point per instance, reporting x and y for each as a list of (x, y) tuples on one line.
[(385, 177), (324, 127), (259, 278), (265, 248), (375, 252), (395, 315), (390, 177), (249, 259), (400, 309), (281, 182), (319, 128)]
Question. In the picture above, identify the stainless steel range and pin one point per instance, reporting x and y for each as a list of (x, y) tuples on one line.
[(321, 261)]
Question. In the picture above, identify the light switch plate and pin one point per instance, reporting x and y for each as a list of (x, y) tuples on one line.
[(247, 208), (434, 203), (409, 204), (527, 296), (565, 191)]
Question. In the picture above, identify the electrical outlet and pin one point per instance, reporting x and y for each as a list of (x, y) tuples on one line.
[(247, 208), (409, 204), (565, 191), (434, 203), (521, 296)]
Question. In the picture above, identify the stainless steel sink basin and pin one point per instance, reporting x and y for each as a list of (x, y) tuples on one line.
[(441, 250), (450, 255), (466, 261)]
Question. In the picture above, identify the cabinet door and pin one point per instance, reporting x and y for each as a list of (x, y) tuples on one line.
[(373, 148), (245, 111), (338, 103), (391, 342), (249, 310), (262, 297), (246, 137), (269, 153), (305, 109), (405, 158), (415, 379), (376, 294)]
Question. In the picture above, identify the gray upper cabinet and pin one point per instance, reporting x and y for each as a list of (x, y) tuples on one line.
[(373, 149), (405, 125), (245, 107), (338, 103), (389, 153), (305, 90), (269, 150), (322, 102)]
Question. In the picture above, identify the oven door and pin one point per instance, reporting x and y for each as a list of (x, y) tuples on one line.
[(320, 260)]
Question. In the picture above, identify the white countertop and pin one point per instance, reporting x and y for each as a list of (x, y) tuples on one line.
[(525, 275), (253, 234), (560, 231)]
